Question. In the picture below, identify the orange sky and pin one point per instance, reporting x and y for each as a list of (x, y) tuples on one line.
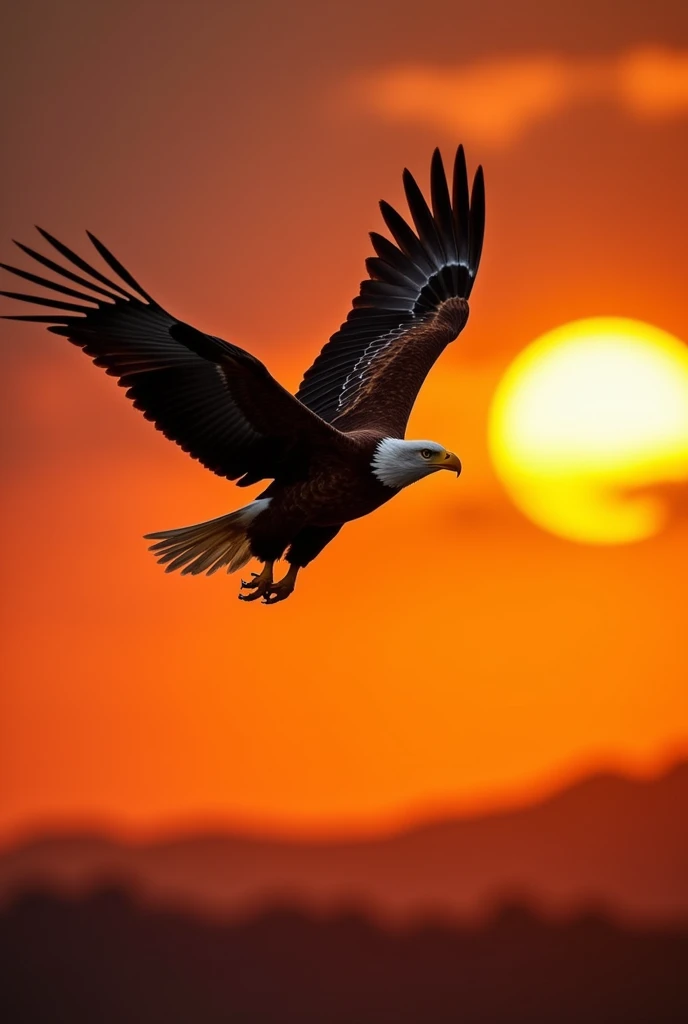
[(443, 652)]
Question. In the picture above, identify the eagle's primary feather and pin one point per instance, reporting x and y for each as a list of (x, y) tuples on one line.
[(323, 448)]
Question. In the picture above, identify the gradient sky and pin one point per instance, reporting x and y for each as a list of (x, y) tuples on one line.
[(443, 652)]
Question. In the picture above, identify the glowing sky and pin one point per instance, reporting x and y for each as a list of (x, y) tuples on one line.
[(440, 653)]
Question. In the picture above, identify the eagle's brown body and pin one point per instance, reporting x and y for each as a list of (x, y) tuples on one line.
[(339, 488), (336, 450)]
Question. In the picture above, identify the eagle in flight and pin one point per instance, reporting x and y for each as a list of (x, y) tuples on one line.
[(333, 452)]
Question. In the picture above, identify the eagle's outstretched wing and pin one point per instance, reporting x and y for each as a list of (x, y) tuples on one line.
[(216, 401), (370, 372)]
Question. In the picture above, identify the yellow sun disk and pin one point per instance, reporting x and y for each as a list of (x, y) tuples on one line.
[(585, 415)]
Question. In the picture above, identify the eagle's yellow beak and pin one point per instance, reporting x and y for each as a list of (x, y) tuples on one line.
[(449, 461)]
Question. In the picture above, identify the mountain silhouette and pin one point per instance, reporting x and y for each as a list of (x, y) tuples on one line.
[(609, 841), (106, 959)]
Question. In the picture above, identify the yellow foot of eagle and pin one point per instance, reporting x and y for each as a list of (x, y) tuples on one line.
[(259, 584), (281, 590), (263, 585)]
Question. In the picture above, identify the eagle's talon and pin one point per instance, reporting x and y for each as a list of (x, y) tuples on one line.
[(281, 590), (260, 584), (255, 582)]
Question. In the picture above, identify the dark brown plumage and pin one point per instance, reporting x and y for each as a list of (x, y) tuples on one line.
[(335, 451)]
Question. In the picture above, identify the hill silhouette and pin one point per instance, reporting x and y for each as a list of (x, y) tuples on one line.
[(608, 841), (109, 960)]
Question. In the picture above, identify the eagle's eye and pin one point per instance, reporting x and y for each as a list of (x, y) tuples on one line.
[(426, 453)]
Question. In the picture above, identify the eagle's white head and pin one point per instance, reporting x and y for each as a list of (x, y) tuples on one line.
[(397, 463)]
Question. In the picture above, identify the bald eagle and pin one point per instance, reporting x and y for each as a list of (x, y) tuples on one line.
[(335, 451)]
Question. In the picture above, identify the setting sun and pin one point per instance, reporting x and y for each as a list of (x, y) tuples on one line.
[(584, 417)]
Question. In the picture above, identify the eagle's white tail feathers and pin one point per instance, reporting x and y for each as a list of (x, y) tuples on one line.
[(207, 547)]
